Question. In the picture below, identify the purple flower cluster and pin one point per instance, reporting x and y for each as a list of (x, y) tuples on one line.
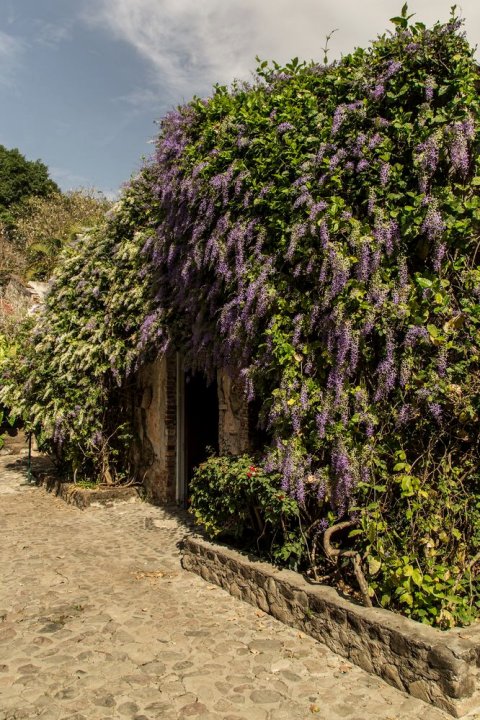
[(378, 91), (316, 209), (403, 415), (430, 86), (384, 173), (284, 127), (362, 165), (341, 114), (433, 225), (414, 334), (386, 372), (459, 155), (428, 154), (439, 254), (393, 67), (343, 479), (436, 411)]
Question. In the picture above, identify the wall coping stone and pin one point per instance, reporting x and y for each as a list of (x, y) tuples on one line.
[(440, 667)]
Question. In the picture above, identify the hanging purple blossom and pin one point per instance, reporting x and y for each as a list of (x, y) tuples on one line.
[(386, 371), (285, 127), (414, 334), (343, 480), (405, 371), (459, 154), (297, 324), (300, 491), (430, 86), (393, 67), (439, 254), (338, 118), (344, 340), (265, 190), (337, 158), (321, 420), (354, 352), (433, 225), (375, 140), (301, 182), (304, 199), (402, 272), (362, 165), (378, 91), (403, 415), (442, 362), (384, 173), (362, 270), (324, 234), (436, 411), (412, 47), (316, 209), (428, 154), (298, 232)]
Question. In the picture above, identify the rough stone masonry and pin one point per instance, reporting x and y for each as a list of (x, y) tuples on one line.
[(441, 668)]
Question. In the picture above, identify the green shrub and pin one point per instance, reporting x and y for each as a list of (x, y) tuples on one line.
[(234, 498)]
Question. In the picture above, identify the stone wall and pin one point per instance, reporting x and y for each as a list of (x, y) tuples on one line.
[(154, 410), (441, 668), (233, 415), (154, 407)]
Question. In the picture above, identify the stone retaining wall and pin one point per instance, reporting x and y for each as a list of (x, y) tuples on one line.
[(441, 668), (85, 497)]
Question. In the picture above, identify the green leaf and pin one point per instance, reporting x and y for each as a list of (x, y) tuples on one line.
[(374, 565)]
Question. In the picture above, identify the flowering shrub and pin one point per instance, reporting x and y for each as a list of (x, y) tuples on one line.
[(318, 231), (64, 383), (234, 498)]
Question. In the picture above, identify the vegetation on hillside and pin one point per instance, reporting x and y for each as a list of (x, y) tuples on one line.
[(44, 225)]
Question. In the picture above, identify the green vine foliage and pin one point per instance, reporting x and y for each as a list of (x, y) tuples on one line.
[(65, 381), (318, 232)]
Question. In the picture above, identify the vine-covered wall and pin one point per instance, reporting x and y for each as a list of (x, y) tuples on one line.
[(316, 231)]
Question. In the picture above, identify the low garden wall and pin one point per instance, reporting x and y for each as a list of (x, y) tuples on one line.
[(440, 667), (86, 497)]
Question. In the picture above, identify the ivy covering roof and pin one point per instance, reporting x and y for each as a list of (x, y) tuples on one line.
[(316, 231)]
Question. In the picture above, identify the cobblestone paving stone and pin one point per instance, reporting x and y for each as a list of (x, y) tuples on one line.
[(98, 620)]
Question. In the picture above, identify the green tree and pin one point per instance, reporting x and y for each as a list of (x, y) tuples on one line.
[(21, 178)]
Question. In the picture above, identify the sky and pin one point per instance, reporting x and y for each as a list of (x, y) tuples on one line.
[(84, 82)]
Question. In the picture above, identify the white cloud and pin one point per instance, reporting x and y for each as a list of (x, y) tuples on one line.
[(52, 34), (190, 44), (68, 179), (11, 50), (140, 99)]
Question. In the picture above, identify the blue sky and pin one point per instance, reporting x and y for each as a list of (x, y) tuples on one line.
[(83, 81)]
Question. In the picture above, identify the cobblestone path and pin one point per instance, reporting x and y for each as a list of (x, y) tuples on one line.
[(98, 620)]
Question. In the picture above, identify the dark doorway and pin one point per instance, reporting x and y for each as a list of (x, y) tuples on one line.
[(201, 421)]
